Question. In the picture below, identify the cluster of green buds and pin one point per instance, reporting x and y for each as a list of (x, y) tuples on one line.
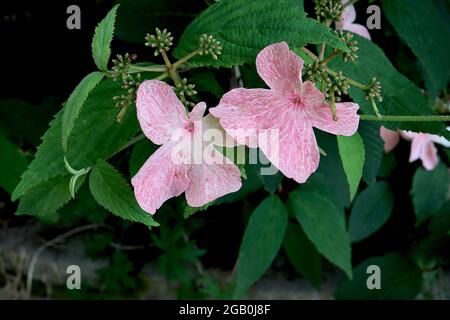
[(351, 43), (374, 90), (316, 71), (185, 89), (121, 66), (209, 45), (161, 41), (328, 10), (130, 83), (338, 85)]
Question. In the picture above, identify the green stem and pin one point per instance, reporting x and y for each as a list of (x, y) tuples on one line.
[(186, 58), (332, 55), (135, 68), (404, 118)]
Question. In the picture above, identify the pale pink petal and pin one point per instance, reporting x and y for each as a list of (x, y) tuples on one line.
[(408, 135), (418, 144), (358, 29), (349, 14), (159, 179), (391, 138), (214, 132), (279, 67), (242, 112), (214, 178), (293, 148), (197, 112), (159, 111), (440, 140), (309, 96), (347, 123), (429, 156)]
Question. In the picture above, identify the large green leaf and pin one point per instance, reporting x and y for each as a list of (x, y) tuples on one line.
[(261, 243), (429, 191), (302, 254), (400, 95), (140, 154), (374, 148), (112, 192), (245, 27), (76, 101), (101, 43), (420, 24), (324, 225), (399, 280), (13, 164), (371, 210), (96, 134), (352, 154)]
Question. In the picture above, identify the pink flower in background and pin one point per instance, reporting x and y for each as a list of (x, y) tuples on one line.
[(170, 171), (422, 145), (291, 107), (348, 19)]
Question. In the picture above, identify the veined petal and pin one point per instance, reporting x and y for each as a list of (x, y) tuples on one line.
[(280, 68), (160, 179), (358, 29), (159, 111), (349, 13), (214, 178), (391, 138), (347, 123), (242, 112), (293, 149), (197, 112)]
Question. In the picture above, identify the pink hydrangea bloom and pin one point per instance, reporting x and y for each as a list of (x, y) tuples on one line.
[(175, 168), (347, 21), (290, 107), (422, 145)]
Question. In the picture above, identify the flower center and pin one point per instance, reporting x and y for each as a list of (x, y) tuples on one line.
[(297, 101), (190, 127)]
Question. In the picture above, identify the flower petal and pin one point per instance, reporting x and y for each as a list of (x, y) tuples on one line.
[(197, 112), (358, 29), (214, 178), (242, 112), (159, 111), (391, 138), (347, 123), (293, 150), (429, 156), (159, 179), (280, 68), (349, 14), (214, 132)]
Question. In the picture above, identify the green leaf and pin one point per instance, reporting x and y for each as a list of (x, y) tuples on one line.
[(95, 135), (399, 280), (76, 101), (420, 24), (371, 210), (429, 191), (113, 193), (137, 18), (140, 154), (271, 182), (261, 243), (101, 43), (245, 27), (352, 151), (47, 198), (374, 148), (400, 95), (324, 225), (206, 82), (302, 254), (12, 164)]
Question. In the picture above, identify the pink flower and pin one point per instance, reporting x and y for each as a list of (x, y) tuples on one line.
[(174, 168), (347, 19), (422, 145), (289, 107)]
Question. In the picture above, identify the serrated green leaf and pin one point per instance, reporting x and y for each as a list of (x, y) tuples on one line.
[(302, 254), (371, 210), (261, 242), (113, 193), (96, 134), (76, 101), (324, 225), (429, 191), (245, 27), (12, 164), (101, 42), (374, 148), (400, 95), (351, 150), (420, 24), (47, 198), (399, 280)]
